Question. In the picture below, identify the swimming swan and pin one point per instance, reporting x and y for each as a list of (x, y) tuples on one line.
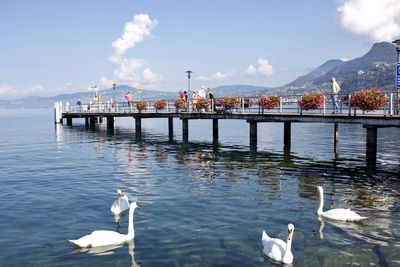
[(121, 204), (337, 214), (107, 238), (277, 249)]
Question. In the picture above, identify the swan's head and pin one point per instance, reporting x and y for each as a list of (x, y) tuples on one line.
[(134, 205), (119, 193), (290, 230)]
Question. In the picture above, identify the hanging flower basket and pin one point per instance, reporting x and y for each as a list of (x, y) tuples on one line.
[(141, 105), (368, 99), (311, 101), (229, 102), (202, 103), (268, 102), (180, 103), (160, 104)]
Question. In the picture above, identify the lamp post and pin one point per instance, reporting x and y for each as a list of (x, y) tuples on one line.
[(139, 91), (115, 98), (189, 74), (396, 105)]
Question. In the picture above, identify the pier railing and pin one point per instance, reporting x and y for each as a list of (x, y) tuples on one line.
[(288, 104)]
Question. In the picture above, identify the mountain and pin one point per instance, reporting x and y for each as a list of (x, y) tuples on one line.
[(318, 72), (85, 97), (375, 69), (241, 90)]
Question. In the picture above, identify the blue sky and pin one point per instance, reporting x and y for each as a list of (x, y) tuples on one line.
[(52, 47)]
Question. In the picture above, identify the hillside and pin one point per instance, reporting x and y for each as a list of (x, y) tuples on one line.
[(375, 69)]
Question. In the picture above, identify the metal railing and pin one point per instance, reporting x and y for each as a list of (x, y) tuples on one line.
[(288, 104)]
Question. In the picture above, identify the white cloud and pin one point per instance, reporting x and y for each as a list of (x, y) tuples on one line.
[(150, 78), (262, 69), (133, 71), (377, 19), (135, 31), (217, 76), (104, 82), (6, 90), (36, 88)]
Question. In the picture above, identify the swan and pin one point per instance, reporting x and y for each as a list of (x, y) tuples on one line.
[(121, 204), (278, 249), (107, 238), (346, 215)]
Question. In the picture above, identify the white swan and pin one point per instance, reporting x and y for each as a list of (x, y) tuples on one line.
[(346, 215), (107, 238), (121, 204), (277, 249)]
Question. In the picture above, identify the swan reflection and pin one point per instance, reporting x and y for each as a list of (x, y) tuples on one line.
[(108, 250)]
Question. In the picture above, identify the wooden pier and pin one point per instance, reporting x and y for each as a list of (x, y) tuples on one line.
[(370, 122)]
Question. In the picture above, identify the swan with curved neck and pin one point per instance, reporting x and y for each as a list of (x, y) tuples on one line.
[(278, 249), (106, 238), (346, 215), (121, 204)]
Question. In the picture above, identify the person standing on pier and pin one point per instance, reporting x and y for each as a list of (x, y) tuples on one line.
[(129, 99), (334, 95)]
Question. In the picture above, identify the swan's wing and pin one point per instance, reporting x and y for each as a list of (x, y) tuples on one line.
[(274, 248), (115, 207), (342, 215)]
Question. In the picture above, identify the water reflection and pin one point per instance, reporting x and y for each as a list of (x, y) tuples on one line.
[(108, 250)]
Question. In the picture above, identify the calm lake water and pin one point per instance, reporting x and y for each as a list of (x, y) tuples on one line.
[(200, 205)]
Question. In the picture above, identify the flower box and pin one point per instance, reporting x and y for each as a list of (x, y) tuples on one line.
[(180, 103), (160, 104), (229, 102), (141, 105), (268, 102), (311, 101), (368, 99), (202, 103)]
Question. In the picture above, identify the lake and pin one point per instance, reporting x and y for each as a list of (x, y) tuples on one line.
[(201, 205)]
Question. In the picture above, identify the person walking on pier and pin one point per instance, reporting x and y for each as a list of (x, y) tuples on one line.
[(129, 99), (334, 95)]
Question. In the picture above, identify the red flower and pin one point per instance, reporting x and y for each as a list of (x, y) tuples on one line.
[(368, 99), (268, 102), (311, 101)]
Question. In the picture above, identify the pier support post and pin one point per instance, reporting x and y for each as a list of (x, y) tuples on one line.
[(253, 135), (138, 128), (215, 130), (69, 121), (287, 132), (372, 141), (336, 138), (92, 122), (110, 122), (185, 130), (170, 129), (87, 121)]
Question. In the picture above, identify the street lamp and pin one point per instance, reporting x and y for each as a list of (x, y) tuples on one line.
[(189, 74), (115, 98), (397, 43)]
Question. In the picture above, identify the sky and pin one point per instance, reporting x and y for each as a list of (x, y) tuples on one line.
[(65, 46)]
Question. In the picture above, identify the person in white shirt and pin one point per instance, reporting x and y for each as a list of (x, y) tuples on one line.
[(202, 92), (334, 95)]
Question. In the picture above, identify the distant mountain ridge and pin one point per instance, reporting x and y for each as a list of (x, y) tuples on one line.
[(316, 73), (375, 69)]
